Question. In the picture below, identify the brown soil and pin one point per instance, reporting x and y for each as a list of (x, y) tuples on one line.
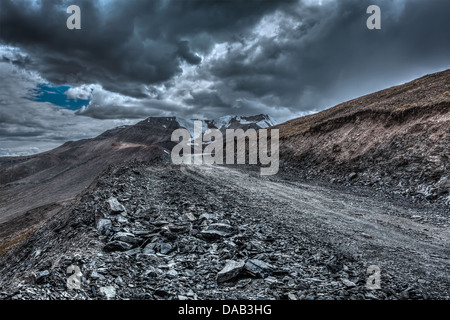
[(402, 133)]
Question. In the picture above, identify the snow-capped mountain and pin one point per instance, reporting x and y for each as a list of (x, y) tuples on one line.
[(85, 159), (260, 121), (257, 122)]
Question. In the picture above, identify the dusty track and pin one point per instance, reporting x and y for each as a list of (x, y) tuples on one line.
[(374, 231)]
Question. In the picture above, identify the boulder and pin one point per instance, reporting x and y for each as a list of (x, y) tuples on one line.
[(231, 270), (115, 207)]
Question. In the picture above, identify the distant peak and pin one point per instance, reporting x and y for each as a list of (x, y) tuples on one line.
[(259, 121)]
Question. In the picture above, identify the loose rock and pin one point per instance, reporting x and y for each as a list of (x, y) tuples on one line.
[(115, 206), (258, 268), (231, 270)]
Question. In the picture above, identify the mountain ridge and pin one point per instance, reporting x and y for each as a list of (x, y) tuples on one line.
[(31, 184)]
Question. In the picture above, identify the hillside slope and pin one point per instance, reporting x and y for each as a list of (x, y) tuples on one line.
[(398, 138)]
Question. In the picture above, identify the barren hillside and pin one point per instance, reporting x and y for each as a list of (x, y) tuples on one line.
[(398, 138)]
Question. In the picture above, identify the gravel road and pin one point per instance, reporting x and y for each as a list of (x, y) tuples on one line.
[(374, 231)]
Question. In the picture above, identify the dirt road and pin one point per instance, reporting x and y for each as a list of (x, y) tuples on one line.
[(376, 232)]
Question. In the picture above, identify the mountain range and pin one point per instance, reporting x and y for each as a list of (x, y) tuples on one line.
[(396, 139), (33, 188)]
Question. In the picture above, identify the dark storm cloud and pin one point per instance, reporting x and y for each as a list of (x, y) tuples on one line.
[(283, 57), (332, 56), (123, 44), (130, 110), (185, 52), (204, 98)]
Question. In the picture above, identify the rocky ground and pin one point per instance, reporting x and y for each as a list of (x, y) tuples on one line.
[(156, 231)]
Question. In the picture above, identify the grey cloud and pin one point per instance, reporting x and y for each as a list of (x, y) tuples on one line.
[(328, 58), (131, 43), (332, 56), (30, 127), (139, 110), (205, 98), (162, 52)]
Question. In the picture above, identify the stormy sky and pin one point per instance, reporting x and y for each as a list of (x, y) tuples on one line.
[(200, 59)]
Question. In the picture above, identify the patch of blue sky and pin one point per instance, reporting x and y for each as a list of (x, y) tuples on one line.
[(47, 92)]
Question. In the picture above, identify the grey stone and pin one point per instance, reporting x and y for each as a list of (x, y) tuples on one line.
[(104, 226), (119, 281), (166, 248), (258, 268), (188, 217), (42, 277), (352, 175), (127, 237), (95, 275), (152, 272), (122, 220), (217, 231), (271, 280), (162, 293), (292, 296), (133, 252), (179, 228), (172, 273), (109, 292), (117, 246), (231, 270), (115, 206), (207, 216), (348, 283), (149, 249)]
